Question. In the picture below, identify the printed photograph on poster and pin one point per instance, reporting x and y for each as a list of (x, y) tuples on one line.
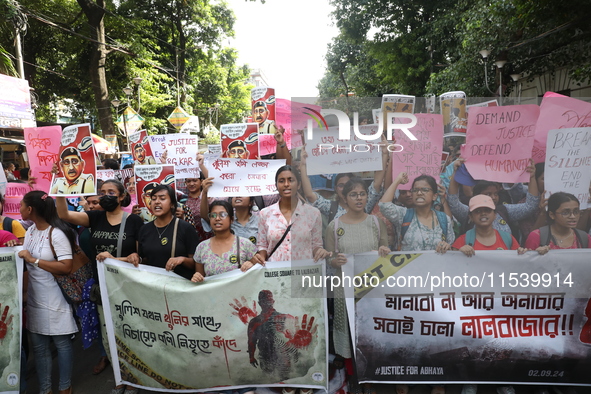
[(398, 103), (11, 322), (240, 141), (148, 177), (77, 164), (140, 148), (263, 109), (252, 336), (453, 109)]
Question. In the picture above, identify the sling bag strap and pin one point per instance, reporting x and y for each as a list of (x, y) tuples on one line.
[(281, 240), (238, 248), (121, 231), (176, 227)]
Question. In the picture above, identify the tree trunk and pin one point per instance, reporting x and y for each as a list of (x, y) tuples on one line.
[(95, 14)]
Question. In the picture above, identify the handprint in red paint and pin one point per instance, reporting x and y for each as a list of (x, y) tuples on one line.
[(3, 322), (303, 335), (243, 311)]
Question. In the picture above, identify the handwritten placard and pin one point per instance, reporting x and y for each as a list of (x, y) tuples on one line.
[(43, 147), (568, 162), (499, 142), (328, 155), (181, 153), (242, 178), (422, 156), (558, 112), (15, 191)]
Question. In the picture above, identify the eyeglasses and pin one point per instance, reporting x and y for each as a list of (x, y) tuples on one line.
[(567, 212), (222, 215), (423, 190), (355, 196)]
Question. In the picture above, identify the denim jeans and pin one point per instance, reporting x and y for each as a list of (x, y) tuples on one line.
[(43, 360)]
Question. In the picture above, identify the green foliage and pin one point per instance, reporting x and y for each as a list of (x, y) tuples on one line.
[(432, 46), (161, 41)]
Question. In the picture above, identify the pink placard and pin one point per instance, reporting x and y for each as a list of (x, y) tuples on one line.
[(558, 112), (43, 148), (293, 116), (15, 192), (422, 156), (499, 142), (268, 145)]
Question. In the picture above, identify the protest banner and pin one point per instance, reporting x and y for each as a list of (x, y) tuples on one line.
[(498, 317), (15, 191), (453, 108), (397, 103), (499, 141), (11, 277), (262, 102), (43, 148), (181, 151), (240, 140), (265, 331), (148, 177), (558, 112), (328, 155), (139, 144), (422, 156), (568, 163), (242, 178), (77, 164)]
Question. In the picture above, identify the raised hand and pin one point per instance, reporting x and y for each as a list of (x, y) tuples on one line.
[(243, 311)]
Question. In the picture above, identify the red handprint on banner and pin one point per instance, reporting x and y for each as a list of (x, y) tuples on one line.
[(243, 311), (3, 323), (303, 335)]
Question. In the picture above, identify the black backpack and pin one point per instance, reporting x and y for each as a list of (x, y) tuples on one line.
[(546, 236), (7, 224)]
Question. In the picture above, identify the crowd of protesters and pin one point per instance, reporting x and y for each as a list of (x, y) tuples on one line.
[(358, 215)]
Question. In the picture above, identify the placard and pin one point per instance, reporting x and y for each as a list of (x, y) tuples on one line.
[(139, 144), (242, 178), (43, 148), (240, 140), (568, 163), (263, 109), (499, 142), (181, 151), (148, 177), (77, 164), (453, 109)]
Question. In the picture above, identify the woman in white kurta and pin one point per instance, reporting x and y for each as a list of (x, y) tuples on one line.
[(49, 316)]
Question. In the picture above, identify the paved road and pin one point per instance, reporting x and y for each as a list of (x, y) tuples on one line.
[(84, 382)]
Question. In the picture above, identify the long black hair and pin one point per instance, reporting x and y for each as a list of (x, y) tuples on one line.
[(44, 207)]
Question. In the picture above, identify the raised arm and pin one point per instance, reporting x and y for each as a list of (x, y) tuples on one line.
[(389, 194), (282, 152), (205, 185), (76, 218), (306, 184)]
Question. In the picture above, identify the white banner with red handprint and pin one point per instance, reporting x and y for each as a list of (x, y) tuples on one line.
[(11, 278), (236, 330), (496, 317)]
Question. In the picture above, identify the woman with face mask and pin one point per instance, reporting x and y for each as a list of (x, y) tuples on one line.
[(104, 228)]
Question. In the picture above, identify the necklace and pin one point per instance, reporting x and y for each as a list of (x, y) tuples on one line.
[(560, 241), (164, 240), (432, 233)]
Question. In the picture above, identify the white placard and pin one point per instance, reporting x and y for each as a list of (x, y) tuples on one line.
[(182, 153), (568, 162), (242, 178), (329, 155)]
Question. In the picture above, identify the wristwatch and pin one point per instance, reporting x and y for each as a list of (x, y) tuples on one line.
[(36, 263)]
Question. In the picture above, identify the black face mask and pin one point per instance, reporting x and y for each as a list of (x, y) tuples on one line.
[(109, 203)]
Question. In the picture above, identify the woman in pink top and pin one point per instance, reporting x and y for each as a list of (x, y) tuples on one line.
[(304, 238), (563, 213)]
